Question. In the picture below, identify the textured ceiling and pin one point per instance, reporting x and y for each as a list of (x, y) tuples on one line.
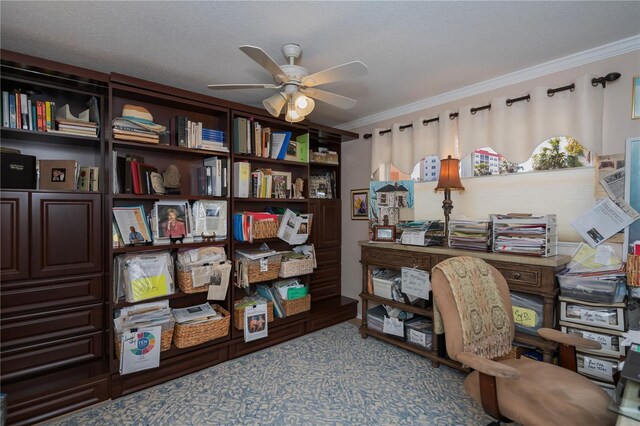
[(414, 50)]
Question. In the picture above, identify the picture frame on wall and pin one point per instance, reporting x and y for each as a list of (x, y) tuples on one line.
[(635, 103), (360, 204)]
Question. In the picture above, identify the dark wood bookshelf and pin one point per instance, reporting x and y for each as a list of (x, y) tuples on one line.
[(158, 147), (156, 247), (189, 197), (262, 160), (31, 136)]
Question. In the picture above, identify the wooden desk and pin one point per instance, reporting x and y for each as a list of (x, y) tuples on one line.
[(526, 274)]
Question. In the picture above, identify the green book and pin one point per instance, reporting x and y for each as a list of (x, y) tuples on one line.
[(297, 293), (303, 148)]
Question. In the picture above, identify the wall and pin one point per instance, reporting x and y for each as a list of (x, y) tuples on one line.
[(482, 193)]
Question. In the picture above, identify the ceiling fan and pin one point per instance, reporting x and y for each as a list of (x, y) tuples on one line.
[(297, 84)]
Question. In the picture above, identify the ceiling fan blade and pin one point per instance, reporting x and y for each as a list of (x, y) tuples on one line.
[(339, 72), (266, 62), (330, 98), (244, 86)]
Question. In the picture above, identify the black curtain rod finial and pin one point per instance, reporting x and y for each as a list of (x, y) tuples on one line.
[(612, 76)]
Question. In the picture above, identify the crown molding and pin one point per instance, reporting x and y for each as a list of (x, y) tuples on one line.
[(592, 55)]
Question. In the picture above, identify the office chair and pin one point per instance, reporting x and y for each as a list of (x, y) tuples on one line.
[(522, 390)]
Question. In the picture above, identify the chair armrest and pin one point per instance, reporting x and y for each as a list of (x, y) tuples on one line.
[(488, 366), (568, 339)]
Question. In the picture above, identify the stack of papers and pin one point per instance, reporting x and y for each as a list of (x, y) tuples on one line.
[(255, 254), (470, 234), (143, 315), (196, 314)]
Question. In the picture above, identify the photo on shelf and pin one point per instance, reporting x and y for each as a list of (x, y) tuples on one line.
[(281, 184), (132, 223), (172, 219)]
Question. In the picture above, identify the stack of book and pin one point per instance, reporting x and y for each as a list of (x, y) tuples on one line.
[(192, 134), (213, 177), (212, 140), (470, 234), (76, 127), (128, 130)]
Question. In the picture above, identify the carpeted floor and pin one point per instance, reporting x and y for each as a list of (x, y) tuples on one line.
[(330, 377)]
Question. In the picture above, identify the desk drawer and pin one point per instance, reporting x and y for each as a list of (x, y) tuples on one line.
[(520, 275), (42, 327), (395, 258)]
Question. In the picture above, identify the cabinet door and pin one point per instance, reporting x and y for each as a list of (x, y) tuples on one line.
[(14, 210), (66, 234), (326, 221)]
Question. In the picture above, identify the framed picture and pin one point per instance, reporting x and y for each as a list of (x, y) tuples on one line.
[(635, 103), (384, 233), (632, 192), (360, 204), (173, 219), (281, 185), (132, 225)]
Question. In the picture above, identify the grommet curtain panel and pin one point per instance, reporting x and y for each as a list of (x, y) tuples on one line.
[(513, 131), (404, 148)]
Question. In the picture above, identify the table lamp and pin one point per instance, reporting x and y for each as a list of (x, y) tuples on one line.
[(449, 179)]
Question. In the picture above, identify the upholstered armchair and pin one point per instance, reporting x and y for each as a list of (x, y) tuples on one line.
[(521, 390)]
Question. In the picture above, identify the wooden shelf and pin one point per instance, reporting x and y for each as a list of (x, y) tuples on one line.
[(165, 197), (168, 148), (133, 249), (176, 295), (272, 200), (50, 138), (253, 159), (314, 163), (428, 312)]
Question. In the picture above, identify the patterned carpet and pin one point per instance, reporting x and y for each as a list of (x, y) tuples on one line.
[(330, 377)]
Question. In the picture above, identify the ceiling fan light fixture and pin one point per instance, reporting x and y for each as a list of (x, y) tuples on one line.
[(303, 104), (275, 103), (293, 116)]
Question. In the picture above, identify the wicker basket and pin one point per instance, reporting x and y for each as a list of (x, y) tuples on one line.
[(295, 267), (238, 316), (264, 269), (165, 340), (633, 271), (293, 307), (185, 281), (262, 229), (186, 335)]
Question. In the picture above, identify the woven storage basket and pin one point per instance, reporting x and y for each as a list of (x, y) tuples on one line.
[(262, 229), (292, 268), (238, 316), (293, 307), (185, 280), (186, 335), (255, 272), (165, 340), (633, 271)]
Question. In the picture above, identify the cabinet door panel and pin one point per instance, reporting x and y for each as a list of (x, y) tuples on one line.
[(14, 228), (326, 220), (66, 234)]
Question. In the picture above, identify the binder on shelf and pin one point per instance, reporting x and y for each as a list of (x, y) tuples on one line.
[(241, 176), (279, 144), (240, 135)]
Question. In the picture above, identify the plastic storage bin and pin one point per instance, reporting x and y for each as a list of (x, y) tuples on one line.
[(609, 339), (383, 280), (375, 318), (419, 332), (589, 289), (527, 312), (610, 316), (597, 367)]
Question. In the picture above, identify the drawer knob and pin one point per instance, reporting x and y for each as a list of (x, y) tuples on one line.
[(516, 275)]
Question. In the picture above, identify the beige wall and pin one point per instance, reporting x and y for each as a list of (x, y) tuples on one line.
[(534, 193)]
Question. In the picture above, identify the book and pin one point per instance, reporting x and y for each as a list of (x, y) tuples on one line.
[(302, 151), (279, 144), (13, 123), (135, 138), (18, 171), (24, 111), (83, 179), (241, 175), (5, 108), (93, 179), (239, 135)]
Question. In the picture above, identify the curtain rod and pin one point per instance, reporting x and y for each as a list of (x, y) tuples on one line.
[(613, 76)]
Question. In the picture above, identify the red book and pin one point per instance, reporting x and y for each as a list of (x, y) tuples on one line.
[(42, 125), (18, 110), (135, 178)]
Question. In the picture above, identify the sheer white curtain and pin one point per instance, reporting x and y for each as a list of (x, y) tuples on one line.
[(404, 148), (515, 131)]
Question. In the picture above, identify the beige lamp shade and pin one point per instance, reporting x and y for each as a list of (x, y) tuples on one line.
[(275, 103), (449, 175)]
